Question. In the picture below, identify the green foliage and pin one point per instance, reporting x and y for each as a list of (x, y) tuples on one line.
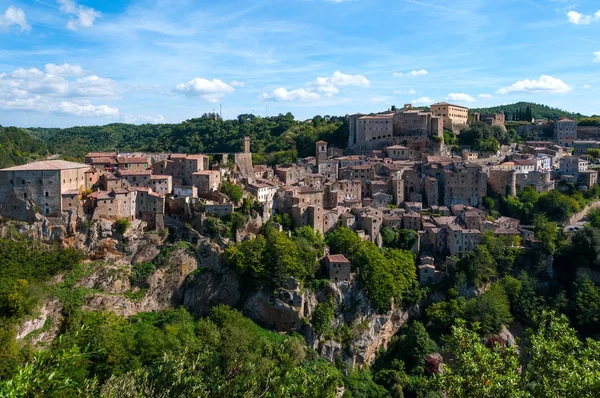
[(343, 241), (24, 267), (490, 310), (386, 275), (322, 317), (233, 191), (554, 205), (273, 257), (121, 225), (538, 111), (587, 303), (477, 370), (277, 139), (285, 220), (414, 345), (140, 272), (481, 137), (171, 354), (18, 146)]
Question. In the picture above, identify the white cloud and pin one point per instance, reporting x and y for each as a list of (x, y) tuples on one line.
[(34, 81), (37, 91), (485, 96), (412, 91), (423, 100), (597, 56), (83, 17), (64, 70), (578, 18), (380, 99), (282, 94), (14, 16), (142, 119), (461, 97), (326, 86), (209, 90), (586, 86), (420, 72), (86, 109), (341, 79), (235, 83), (545, 84)]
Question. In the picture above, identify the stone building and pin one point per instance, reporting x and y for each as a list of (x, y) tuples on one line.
[(39, 186), (581, 147), (565, 132), (206, 181), (464, 184), (573, 164), (416, 123), (453, 116), (338, 268), (133, 162)]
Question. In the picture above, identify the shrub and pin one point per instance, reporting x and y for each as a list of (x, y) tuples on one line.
[(121, 225), (140, 272)]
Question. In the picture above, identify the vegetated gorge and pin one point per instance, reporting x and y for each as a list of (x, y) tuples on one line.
[(242, 308)]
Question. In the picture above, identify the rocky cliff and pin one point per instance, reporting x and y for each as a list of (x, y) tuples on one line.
[(196, 277)]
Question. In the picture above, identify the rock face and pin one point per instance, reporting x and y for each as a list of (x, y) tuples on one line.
[(166, 288), (282, 310), (371, 331), (49, 314), (214, 284)]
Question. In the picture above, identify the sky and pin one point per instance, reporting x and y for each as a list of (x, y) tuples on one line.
[(91, 62)]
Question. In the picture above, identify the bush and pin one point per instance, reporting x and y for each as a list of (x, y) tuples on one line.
[(323, 317), (121, 225), (140, 272)]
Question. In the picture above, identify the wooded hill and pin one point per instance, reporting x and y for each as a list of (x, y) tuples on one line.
[(538, 111)]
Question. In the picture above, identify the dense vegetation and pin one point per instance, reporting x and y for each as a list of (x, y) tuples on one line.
[(555, 205), (537, 111), (481, 137), (277, 139), (172, 354), (18, 146)]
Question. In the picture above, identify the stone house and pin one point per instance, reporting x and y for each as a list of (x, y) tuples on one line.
[(338, 268), (39, 186), (133, 162), (206, 181)]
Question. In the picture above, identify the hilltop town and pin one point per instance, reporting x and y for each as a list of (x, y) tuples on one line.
[(397, 173)]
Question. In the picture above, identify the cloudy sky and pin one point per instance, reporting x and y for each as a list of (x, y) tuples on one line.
[(67, 62)]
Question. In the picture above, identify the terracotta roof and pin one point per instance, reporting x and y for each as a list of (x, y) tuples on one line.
[(445, 103), (337, 258), (133, 159), (101, 154), (135, 172), (48, 165), (104, 160), (159, 177)]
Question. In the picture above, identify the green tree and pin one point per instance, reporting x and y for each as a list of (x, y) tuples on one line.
[(586, 302), (233, 191), (477, 370), (343, 241)]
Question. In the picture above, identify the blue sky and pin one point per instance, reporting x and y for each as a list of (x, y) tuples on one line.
[(67, 62)]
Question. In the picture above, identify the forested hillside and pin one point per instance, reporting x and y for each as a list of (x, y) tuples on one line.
[(276, 139), (538, 111), (19, 146)]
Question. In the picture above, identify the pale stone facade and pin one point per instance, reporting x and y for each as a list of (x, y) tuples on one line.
[(452, 115)]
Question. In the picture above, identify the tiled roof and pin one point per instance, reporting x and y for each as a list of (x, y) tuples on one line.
[(48, 165), (337, 258)]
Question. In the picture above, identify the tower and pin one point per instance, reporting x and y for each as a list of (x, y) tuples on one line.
[(246, 144), (320, 152)]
